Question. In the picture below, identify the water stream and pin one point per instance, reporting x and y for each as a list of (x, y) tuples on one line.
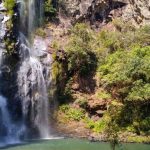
[(9, 131), (31, 80)]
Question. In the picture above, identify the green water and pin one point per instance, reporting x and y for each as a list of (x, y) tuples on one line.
[(72, 144)]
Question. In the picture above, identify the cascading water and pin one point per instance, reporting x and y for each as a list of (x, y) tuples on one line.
[(31, 15), (34, 95), (32, 87), (1, 53), (33, 77), (10, 131)]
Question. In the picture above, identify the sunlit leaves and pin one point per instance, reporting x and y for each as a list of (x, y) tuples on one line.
[(129, 69)]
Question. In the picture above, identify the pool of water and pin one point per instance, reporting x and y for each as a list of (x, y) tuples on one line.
[(71, 144)]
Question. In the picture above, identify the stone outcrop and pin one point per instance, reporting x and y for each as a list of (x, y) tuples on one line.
[(86, 9), (103, 11), (138, 11)]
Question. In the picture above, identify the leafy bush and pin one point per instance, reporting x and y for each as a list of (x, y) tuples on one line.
[(75, 114), (40, 32), (103, 95), (97, 126), (138, 139), (49, 9), (129, 73), (72, 113), (10, 4), (128, 37), (82, 102), (145, 124), (81, 59), (64, 108)]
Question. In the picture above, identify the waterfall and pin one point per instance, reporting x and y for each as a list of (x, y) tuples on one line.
[(32, 85), (31, 15), (10, 132), (2, 34), (33, 92), (31, 120), (1, 54)]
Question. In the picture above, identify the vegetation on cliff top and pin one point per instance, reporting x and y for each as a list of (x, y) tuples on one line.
[(10, 4)]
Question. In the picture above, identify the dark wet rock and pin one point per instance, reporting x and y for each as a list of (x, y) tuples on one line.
[(92, 139)]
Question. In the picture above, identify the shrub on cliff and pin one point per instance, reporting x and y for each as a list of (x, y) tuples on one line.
[(49, 9), (128, 73), (81, 59), (10, 4), (127, 37)]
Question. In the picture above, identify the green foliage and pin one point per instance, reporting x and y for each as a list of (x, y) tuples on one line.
[(145, 124), (10, 39), (10, 4), (82, 102), (131, 129), (64, 108), (10, 45), (49, 9), (68, 90), (56, 69), (75, 114), (127, 37), (55, 45), (109, 41), (72, 113), (129, 73), (112, 128), (40, 32), (122, 26), (97, 126), (103, 95), (138, 139), (81, 59)]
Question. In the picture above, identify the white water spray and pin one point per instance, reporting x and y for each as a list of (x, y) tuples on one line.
[(32, 87), (10, 131)]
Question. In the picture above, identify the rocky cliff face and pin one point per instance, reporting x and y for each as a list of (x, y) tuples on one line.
[(103, 11), (138, 11)]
